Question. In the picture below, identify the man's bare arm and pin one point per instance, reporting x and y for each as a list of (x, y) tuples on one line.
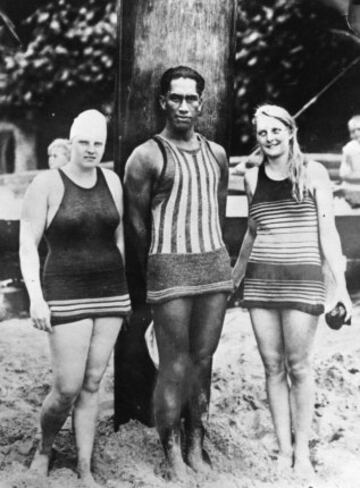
[(140, 173), (221, 156)]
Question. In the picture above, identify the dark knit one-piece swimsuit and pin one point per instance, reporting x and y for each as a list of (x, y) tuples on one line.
[(284, 269), (84, 275)]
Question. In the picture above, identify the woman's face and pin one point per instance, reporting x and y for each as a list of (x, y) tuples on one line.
[(57, 157), (273, 136)]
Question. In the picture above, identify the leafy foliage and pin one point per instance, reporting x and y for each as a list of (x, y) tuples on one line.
[(70, 54), (286, 51)]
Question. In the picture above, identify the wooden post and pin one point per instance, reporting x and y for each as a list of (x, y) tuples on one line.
[(157, 35)]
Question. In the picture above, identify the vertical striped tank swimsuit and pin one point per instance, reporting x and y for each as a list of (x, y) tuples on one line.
[(84, 275), (187, 255), (284, 269)]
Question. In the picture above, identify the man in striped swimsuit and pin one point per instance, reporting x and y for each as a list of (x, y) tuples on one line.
[(180, 179)]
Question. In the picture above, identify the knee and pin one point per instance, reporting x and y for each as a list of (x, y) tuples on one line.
[(275, 367), (175, 370), (299, 368), (92, 381), (65, 394), (202, 356)]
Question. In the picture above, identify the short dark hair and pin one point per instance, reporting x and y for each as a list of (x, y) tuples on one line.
[(181, 72)]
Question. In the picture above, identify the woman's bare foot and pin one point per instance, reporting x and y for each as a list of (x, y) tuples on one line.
[(284, 462), (85, 475), (40, 464), (303, 469)]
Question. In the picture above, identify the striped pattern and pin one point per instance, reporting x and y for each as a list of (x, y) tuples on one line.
[(78, 309), (284, 269), (178, 291), (187, 255), (287, 232), (187, 220)]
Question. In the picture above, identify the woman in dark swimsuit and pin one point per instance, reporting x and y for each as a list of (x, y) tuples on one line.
[(83, 298)]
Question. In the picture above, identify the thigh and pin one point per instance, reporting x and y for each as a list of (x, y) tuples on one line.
[(268, 332), (103, 338), (299, 333), (69, 346), (206, 323), (171, 323)]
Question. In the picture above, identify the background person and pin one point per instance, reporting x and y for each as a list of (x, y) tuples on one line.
[(58, 153), (175, 187), (84, 297), (350, 162), (291, 226)]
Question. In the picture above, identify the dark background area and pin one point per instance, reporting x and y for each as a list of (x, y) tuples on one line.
[(286, 51)]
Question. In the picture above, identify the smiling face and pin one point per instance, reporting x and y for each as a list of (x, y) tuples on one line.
[(182, 104), (273, 136), (87, 150)]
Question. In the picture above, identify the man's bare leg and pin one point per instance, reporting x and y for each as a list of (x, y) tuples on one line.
[(171, 321), (105, 332), (205, 330), (69, 346)]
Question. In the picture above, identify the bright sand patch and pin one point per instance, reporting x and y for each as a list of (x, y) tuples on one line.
[(240, 437)]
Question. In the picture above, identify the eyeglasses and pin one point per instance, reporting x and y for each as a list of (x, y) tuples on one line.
[(178, 99)]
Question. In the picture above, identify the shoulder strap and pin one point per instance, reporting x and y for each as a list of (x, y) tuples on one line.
[(208, 145), (161, 145)]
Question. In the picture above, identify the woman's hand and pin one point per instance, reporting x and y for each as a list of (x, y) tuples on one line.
[(341, 295), (40, 314)]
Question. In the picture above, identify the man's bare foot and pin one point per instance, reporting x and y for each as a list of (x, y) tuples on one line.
[(176, 469), (199, 460), (40, 464)]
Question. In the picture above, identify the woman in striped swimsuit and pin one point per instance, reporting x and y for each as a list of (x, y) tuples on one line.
[(291, 228), (84, 296)]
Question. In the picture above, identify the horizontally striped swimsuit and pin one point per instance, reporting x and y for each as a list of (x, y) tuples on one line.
[(284, 269), (187, 254), (84, 275)]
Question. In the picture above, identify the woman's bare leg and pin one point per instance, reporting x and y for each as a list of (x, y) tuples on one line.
[(69, 346), (267, 327), (299, 334), (104, 335)]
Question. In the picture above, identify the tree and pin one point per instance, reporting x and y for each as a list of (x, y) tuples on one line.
[(69, 57), (286, 51)]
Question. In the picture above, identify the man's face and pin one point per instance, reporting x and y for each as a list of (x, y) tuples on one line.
[(87, 150), (182, 103), (354, 129)]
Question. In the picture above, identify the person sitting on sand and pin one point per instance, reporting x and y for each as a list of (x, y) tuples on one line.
[(291, 227), (350, 163), (58, 153), (83, 298), (179, 179)]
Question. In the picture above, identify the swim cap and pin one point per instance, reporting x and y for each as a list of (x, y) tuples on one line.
[(89, 123)]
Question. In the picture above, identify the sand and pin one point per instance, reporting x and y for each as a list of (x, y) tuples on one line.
[(239, 439)]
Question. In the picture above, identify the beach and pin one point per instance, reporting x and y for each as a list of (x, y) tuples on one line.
[(239, 439)]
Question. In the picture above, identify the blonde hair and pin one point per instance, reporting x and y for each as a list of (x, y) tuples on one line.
[(298, 173), (63, 144)]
